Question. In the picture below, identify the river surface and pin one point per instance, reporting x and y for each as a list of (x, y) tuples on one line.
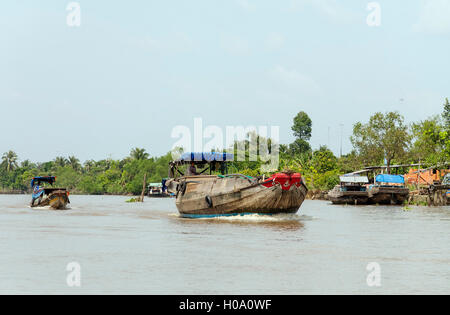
[(147, 248)]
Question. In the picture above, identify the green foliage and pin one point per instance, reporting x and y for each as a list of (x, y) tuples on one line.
[(323, 160), (131, 200), (350, 162), (446, 114), (299, 146), (94, 177), (139, 154), (431, 141), (385, 136), (9, 161), (302, 127)]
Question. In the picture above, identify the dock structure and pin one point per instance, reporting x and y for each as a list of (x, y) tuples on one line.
[(432, 186), (351, 190), (439, 195)]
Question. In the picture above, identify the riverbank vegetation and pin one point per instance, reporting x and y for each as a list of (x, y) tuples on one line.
[(384, 140)]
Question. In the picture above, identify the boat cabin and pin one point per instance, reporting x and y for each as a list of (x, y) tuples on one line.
[(157, 190), (38, 188), (353, 183), (200, 164), (154, 188), (351, 190)]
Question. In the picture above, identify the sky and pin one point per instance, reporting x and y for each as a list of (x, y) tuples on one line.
[(133, 70)]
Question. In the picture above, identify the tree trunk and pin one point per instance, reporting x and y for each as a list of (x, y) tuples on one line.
[(141, 199)]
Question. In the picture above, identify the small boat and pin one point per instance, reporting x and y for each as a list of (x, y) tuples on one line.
[(199, 195), (54, 198), (388, 190), (351, 190), (155, 190)]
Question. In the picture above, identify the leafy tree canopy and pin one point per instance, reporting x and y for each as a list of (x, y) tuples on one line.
[(384, 137), (302, 127)]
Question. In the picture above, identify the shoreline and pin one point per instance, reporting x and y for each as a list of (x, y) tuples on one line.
[(13, 192), (414, 199)]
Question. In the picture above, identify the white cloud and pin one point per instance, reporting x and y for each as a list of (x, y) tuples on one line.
[(274, 40), (293, 79), (246, 4), (434, 17), (235, 45), (176, 42), (331, 8), (148, 43)]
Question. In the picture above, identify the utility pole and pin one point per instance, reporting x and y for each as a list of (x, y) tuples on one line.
[(342, 136)]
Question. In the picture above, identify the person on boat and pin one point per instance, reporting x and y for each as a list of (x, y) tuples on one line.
[(192, 170)]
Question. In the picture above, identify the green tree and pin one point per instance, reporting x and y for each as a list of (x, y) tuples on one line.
[(10, 161), (384, 137), (139, 154), (27, 165), (350, 162), (323, 160), (88, 165), (446, 114), (302, 129), (60, 161), (299, 146), (74, 163), (429, 140)]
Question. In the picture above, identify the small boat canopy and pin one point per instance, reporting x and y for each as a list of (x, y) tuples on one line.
[(204, 157), (354, 179), (42, 179), (159, 185), (394, 179)]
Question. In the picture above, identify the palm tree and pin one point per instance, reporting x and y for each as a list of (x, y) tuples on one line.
[(139, 154), (60, 161), (10, 160), (27, 164), (88, 165), (74, 163)]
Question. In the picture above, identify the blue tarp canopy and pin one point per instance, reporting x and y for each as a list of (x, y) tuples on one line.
[(206, 157), (394, 179), (42, 179)]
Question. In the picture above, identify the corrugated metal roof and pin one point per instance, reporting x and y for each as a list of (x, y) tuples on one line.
[(355, 179)]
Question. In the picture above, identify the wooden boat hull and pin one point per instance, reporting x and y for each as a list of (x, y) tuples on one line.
[(204, 196), (349, 198), (388, 195), (56, 200), (340, 196), (159, 195)]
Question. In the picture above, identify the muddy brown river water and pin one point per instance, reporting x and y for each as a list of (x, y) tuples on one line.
[(148, 249)]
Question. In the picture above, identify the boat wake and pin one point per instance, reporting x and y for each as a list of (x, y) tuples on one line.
[(248, 218), (48, 208)]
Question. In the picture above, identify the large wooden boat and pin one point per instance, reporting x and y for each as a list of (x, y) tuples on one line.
[(51, 197), (351, 190), (389, 190), (235, 194)]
